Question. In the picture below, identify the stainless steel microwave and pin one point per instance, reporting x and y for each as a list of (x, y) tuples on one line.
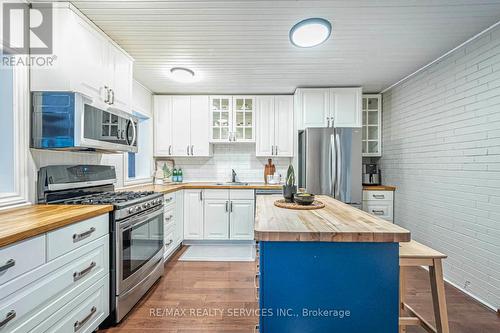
[(71, 121)]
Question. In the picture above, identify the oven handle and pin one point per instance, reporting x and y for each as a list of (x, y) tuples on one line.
[(139, 219)]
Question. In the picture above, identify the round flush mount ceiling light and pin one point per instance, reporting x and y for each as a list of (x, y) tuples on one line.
[(310, 32), (182, 74)]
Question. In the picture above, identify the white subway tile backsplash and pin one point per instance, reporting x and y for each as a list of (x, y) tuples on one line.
[(441, 148), (238, 156)]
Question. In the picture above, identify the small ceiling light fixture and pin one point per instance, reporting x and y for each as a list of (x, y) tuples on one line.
[(182, 74), (310, 32)]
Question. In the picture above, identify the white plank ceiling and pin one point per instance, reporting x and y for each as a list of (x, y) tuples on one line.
[(243, 47)]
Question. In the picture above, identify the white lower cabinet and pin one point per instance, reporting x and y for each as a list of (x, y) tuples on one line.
[(229, 214), (193, 214), (242, 219), (172, 222), (48, 294), (379, 203), (216, 219)]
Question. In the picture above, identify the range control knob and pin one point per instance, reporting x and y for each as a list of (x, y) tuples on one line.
[(137, 208), (131, 210)]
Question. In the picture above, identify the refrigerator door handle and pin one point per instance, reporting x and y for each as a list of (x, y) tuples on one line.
[(333, 164), (339, 167)]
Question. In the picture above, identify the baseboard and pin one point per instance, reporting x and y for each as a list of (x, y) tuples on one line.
[(468, 293), (217, 242)]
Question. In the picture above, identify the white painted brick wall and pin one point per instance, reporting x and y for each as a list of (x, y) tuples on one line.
[(238, 156), (441, 148)]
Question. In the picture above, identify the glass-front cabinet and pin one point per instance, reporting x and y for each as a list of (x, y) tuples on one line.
[(232, 118), (372, 125)]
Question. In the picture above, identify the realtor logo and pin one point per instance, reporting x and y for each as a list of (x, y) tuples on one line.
[(27, 28)]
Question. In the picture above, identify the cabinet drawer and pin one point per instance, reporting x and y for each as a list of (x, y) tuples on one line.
[(379, 209), (169, 198), (168, 218), (242, 194), (67, 239), (377, 195), (21, 257), (41, 294), (83, 313), (217, 194), (169, 241)]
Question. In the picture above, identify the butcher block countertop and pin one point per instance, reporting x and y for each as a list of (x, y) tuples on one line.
[(379, 188), (337, 222), (21, 223), (168, 188)]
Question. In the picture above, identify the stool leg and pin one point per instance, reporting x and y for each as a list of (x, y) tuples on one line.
[(438, 296), (402, 289)]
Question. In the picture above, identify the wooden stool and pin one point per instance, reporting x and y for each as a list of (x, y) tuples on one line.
[(416, 254)]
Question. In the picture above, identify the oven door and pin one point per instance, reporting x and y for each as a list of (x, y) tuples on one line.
[(106, 129), (139, 247)]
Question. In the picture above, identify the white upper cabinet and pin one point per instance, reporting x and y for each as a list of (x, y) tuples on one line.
[(328, 107), (313, 106), (181, 126), (345, 106), (372, 125), (199, 131), (232, 119), (162, 108), (87, 61), (274, 126)]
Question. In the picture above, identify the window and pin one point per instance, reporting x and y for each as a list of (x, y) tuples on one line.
[(14, 131), (139, 166)]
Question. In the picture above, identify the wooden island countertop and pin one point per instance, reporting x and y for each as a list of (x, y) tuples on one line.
[(337, 222), (21, 223)]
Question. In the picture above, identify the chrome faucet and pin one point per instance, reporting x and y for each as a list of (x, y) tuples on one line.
[(233, 176)]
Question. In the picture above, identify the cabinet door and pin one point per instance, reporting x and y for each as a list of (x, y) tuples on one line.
[(264, 139), (283, 125), (242, 219), (193, 214), (220, 118), (121, 86), (314, 107), (243, 118), (216, 219), (90, 61), (200, 126), (162, 125), (346, 107), (181, 119)]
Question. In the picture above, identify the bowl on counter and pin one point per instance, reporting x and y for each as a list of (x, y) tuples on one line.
[(303, 198)]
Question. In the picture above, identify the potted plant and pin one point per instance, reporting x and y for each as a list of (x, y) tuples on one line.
[(289, 189)]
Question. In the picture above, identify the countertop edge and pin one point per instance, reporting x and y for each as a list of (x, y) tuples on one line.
[(50, 226), (331, 237)]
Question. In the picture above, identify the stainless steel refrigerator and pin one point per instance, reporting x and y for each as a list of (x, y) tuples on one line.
[(330, 163)]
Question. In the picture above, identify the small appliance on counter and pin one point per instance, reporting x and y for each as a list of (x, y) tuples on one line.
[(371, 174)]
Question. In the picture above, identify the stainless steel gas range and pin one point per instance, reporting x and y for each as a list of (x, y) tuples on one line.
[(136, 226)]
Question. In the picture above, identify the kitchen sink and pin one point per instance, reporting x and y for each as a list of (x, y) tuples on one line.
[(232, 184)]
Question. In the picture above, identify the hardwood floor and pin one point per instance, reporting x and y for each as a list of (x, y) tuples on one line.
[(205, 286)]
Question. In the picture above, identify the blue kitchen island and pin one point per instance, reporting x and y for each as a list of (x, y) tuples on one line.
[(334, 269)]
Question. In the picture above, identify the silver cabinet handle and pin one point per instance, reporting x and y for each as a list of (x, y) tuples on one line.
[(276, 150), (170, 241), (83, 235), (328, 121), (188, 149), (168, 218), (201, 195), (227, 204), (167, 200), (378, 212), (8, 264), (10, 315), (78, 275), (170, 149), (272, 150), (107, 96), (231, 207), (192, 148), (79, 323), (379, 196)]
